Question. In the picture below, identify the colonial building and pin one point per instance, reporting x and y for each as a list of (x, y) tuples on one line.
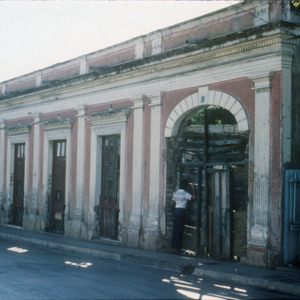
[(93, 148)]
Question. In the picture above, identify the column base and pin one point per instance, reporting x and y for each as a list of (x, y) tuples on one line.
[(76, 229), (29, 222), (257, 251), (133, 238), (256, 256), (149, 240)]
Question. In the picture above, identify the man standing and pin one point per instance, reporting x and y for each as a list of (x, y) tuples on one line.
[(180, 197)]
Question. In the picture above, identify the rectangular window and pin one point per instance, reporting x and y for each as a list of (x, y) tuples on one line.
[(20, 151), (61, 149)]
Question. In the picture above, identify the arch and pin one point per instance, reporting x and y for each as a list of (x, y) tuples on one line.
[(206, 97)]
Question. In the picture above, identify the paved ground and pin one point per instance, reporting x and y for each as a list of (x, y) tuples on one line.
[(33, 272), (286, 280)]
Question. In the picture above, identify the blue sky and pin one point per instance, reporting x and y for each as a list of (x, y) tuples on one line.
[(37, 34)]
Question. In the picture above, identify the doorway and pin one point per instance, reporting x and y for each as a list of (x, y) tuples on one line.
[(212, 154), (110, 182), (18, 185), (57, 205)]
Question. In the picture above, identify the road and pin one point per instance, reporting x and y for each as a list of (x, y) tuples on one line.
[(31, 272)]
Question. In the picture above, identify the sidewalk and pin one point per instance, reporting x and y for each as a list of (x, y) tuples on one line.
[(286, 280)]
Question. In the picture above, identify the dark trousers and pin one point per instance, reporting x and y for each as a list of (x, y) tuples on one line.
[(178, 228)]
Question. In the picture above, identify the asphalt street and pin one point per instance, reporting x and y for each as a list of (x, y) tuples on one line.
[(32, 272)]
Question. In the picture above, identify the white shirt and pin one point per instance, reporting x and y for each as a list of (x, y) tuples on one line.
[(181, 197)]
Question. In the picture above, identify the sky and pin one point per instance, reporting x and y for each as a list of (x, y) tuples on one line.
[(38, 34)]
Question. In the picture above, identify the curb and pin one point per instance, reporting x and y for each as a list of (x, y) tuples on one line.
[(154, 263), (61, 246), (255, 282)]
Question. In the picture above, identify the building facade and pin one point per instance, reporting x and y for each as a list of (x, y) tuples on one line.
[(94, 147)]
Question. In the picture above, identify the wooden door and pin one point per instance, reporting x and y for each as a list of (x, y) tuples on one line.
[(18, 190), (57, 215), (218, 217), (109, 199)]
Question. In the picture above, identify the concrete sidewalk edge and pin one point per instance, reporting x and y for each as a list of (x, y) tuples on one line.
[(247, 280), (135, 259)]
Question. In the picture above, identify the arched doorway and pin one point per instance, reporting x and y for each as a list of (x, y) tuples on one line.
[(211, 151)]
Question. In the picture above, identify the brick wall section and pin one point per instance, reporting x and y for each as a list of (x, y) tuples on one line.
[(63, 114), (21, 84), (113, 58), (276, 174), (62, 73), (21, 121), (208, 30), (147, 49)]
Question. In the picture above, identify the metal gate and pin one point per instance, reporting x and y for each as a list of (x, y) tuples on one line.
[(292, 215)]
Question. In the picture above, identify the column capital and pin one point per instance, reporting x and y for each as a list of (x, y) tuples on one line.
[(155, 99), (138, 101), (37, 117), (2, 124), (3, 88), (81, 111), (262, 81)]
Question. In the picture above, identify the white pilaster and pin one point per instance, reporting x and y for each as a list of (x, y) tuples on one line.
[(137, 171), (155, 148), (261, 188), (3, 88), (156, 43), (83, 66), (38, 79), (80, 163), (2, 160), (36, 164)]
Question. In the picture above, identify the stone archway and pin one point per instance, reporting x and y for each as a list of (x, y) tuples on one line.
[(206, 97), (215, 175)]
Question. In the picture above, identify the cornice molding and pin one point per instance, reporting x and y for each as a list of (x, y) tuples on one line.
[(212, 54), (107, 117), (18, 129), (158, 67), (58, 124)]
